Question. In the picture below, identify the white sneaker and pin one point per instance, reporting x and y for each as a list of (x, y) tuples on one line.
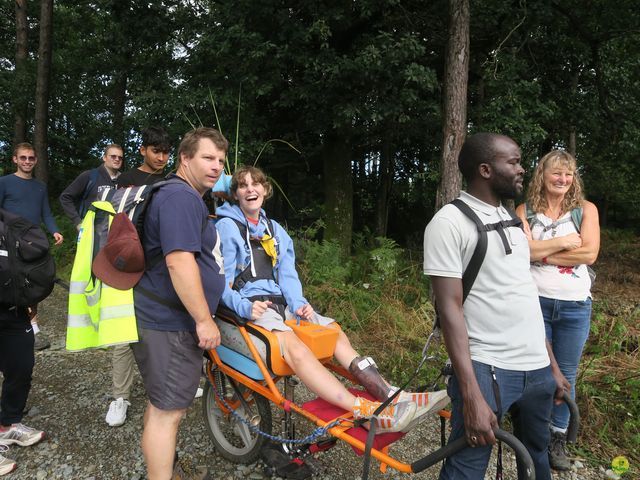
[(199, 393), (117, 413), (426, 402), (22, 435), (6, 464)]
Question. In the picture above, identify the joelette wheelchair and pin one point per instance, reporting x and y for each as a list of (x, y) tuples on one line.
[(247, 375)]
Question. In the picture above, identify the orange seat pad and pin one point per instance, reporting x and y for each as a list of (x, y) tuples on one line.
[(327, 411)]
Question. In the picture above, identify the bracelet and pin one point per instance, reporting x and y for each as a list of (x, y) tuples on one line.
[(544, 260)]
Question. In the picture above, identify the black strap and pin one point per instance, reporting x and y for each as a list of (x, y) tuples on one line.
[(263, 271), (473, 268), (93, 179), (471, 272)]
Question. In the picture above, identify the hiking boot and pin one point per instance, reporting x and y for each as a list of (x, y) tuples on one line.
[(6, 464), (117, 413), (41, 341), (183, 471), (393, 418), (426, 402), (558, 459), (21, 435)]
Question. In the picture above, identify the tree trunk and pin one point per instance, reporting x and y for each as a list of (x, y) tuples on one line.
[(21, 77), (119, 104), (456, 75), (42, 89), (384, 186), (338, 188)]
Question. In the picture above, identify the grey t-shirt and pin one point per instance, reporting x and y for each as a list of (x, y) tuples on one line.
[(502, 312)]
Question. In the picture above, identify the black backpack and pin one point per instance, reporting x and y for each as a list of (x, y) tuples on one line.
[(27, 270)]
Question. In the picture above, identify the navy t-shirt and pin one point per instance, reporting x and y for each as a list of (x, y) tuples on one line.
[(176, 220)]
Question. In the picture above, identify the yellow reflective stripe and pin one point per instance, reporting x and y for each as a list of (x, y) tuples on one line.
[(116, 311)]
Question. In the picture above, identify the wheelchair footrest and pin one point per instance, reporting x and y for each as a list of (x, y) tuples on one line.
[(327, 411)]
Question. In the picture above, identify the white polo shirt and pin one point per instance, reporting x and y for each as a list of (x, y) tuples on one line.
[(502, 311)]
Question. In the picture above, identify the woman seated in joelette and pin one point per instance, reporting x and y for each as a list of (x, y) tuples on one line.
[(263, 285)]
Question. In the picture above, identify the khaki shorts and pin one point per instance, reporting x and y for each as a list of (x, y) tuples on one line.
[(170, 364), (271, 320)]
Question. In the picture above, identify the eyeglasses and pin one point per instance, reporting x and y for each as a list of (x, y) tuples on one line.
[(24, 158), (113, 157)]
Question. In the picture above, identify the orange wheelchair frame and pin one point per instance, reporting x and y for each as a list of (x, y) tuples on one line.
[(236, 404)]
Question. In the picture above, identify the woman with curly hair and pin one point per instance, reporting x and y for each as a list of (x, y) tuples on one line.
[(564, 238)]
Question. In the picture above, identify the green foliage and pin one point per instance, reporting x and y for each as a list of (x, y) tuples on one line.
[(65, 253), (378, 296)]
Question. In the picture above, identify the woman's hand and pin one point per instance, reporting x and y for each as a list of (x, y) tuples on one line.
[(572, 241), (306, 312), (258, 308)]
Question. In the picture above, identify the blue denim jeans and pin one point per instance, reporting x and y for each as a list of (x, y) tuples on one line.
[(567, 325), (528, 396)]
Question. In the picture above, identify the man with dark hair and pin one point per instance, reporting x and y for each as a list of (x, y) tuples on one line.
[(495, 336), (87, 187), (190, 280), (155, 152), (22, 194), (155, 149)]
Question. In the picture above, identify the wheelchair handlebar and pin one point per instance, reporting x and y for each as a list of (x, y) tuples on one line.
[(510, 440), (461, 443)]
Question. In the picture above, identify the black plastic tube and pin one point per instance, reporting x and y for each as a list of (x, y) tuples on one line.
[(574, 418), (454, 447)]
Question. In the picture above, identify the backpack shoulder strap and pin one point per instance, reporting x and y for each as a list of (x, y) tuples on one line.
[(471, 272), (93, 179), (576, 217), (532, 218)]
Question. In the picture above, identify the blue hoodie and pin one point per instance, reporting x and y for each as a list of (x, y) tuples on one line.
[(237, 257)]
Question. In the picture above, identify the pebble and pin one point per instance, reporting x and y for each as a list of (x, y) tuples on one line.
[(611, 474)]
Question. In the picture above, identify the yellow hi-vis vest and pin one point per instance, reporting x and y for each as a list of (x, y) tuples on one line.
[(98, 315)]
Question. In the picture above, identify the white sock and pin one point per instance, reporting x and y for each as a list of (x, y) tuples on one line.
[(555, 429), (35, 327)]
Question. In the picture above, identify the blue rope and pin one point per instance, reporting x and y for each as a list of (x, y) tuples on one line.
[(317, 432)]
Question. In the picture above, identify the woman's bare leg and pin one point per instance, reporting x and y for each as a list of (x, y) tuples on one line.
[(312, 373)]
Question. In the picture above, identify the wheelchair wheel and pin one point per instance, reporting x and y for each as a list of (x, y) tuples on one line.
[(231, 437)]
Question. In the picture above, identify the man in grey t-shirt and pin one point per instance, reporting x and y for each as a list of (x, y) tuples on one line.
[(495, 337)]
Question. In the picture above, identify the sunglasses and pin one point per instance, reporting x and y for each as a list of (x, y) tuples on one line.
[(114, 157), (24, 158)]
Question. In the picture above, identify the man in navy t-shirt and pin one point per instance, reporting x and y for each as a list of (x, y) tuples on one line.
[(175, 315)]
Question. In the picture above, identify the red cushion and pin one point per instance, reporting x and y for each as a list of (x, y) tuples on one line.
[(327, 411)]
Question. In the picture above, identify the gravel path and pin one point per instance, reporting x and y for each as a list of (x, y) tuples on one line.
[(70, 396)]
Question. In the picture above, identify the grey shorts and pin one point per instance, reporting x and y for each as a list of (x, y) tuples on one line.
[(271, 320), (170, 364)]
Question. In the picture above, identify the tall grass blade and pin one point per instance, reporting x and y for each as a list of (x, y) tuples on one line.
[(274, 140), (215, 111)]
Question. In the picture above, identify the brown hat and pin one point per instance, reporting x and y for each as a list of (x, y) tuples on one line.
[(120, 263)]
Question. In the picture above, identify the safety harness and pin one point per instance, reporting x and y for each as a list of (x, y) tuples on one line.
[(260, 266)]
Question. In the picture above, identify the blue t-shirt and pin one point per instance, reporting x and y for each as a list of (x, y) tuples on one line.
[(27, 198), (177, 220)]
